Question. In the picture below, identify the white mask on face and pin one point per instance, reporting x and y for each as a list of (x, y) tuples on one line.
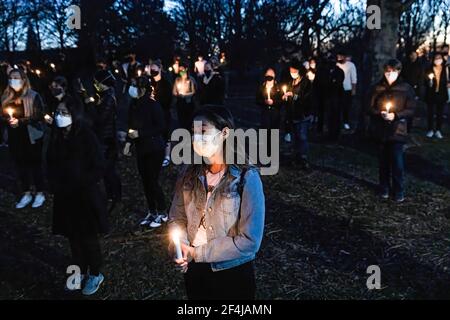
[(295, 76), (438, 62), (63, 121), (391, 77), (16, 84), (204, 144), (133, 92), (312, 65)]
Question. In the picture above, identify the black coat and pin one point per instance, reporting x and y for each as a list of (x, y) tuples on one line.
[(300, 105), (213, 92), (147, 118), (104, 116), (413, 73), (163, 93), (431, 95), (402, 97), (76, 167)]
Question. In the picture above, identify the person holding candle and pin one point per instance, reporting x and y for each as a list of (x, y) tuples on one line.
[(76, 167), (218, 210), (163, 94), (269, 98), (299, 104), (184, 90), (436, 96), (392, 103), (146, 131), (212, 85), (23, 111)]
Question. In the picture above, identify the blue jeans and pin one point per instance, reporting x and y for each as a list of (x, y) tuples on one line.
[(392, 166), (301, 138)]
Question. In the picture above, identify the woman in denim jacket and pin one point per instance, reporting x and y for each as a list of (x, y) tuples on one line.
[(219, 209)]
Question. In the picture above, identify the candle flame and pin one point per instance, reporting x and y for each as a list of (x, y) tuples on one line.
[(176, 234), (284, 89), (139, 73), (52, 65), (10, 112), (388, 106), (38, 72), (431, 76)]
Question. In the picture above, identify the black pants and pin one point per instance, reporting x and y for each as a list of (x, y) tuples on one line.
[(28, 161), (86, 253), (334, 118), (149, 166), (113, 185), (321, 104), (435, 109), (345, 105), (392, 167), (232, 284), (185, 112), (270, 120)]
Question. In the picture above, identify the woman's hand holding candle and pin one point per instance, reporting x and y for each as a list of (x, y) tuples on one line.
[(48, 119), (183, 252), (133, 134), (387, 115)]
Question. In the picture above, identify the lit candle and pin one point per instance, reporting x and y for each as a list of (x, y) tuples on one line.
[(177, 243), (284, 89), (10, 112), (52, 65), (47, 117), (170, 69), (116, 70), (268, 93), (388, 106), (139, 73), (131, 131), (431, 76), (91, 99), (38, 72)]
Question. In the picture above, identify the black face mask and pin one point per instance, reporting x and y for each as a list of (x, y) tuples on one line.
[(154, 73), (56, 91), (269, 78)]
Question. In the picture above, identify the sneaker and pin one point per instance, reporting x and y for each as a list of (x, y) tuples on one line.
[(148, 218), (39, 200), (92, 284), (24, 201), (166, 162), (346, 126), (82, 277), (384, 195), (439, 135), (288, 137), (158, 221), (430, 134), (399, 198)]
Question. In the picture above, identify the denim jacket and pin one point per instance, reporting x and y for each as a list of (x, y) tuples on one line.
[(233, 237)]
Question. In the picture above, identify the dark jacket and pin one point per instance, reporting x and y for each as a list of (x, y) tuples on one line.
[(413, 73), (300, 105), (402, 97), (431, 95), (104, 115), (75, 168), (163, 93), (147, 118), (213, 92), (276, 95)]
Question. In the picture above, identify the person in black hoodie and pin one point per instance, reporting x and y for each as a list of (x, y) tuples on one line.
[(104, 115), (298, 97), (162, 89), (332, 79), (436, 95), (212, 87), (146, 130), (392, 103), (75, 168), (268, 97)]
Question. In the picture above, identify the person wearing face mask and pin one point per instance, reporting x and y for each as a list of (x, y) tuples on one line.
[(436, 83), (218, 209), (146, 131), (184, 90), (392, 103), (270, 105), (104, 116), (22, 111), (211, 86), (298, 99), (162, 91), (76, 167), (349, 84)]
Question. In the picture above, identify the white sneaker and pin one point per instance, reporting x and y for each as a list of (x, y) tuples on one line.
[(430, 134), (149, 217), (24, 201), (439, 135), (92, 284), (160, 218), (39, 200), (346, 126)]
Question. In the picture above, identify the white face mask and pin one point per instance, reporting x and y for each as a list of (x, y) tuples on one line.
[(312, 65), (438, 62), (391, 77), (133, 92), (204, 144), (16, 84), (63, 121), (295, 76)]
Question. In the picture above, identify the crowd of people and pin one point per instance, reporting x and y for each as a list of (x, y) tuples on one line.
[(70, 132)]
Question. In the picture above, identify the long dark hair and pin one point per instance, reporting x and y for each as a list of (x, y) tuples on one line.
[(220, 118)]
